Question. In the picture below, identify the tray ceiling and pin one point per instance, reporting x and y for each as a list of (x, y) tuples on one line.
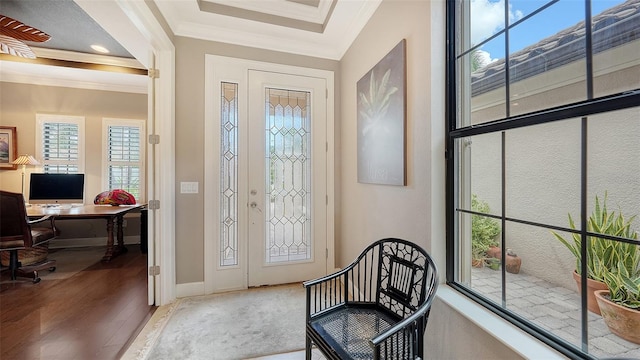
[(318, 28)]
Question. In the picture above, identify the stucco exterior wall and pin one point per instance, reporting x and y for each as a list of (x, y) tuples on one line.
[(543, 162)]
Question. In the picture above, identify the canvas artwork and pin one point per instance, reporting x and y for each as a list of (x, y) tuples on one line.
[(381, 121), (8, 147)]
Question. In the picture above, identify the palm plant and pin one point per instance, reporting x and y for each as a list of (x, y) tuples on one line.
[(604, 256)]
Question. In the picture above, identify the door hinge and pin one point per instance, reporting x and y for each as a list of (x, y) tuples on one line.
[(326, 253), (153, 73), (154, 139), (154, 270), (326, 198), (153, 205)]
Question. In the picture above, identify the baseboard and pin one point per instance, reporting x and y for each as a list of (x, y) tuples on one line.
[(95, 241), (190, 289)]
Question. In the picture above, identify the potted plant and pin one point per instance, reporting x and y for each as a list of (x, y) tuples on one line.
[(620, 304), (484, 231), (602, 255), (493, 263)]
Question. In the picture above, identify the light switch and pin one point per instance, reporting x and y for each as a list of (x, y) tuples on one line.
[(188, 187)]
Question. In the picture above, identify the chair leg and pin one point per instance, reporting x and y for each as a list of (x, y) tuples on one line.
[(308, 349), (13, 263)]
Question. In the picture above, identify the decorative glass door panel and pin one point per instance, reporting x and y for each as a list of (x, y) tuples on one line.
[(288, 181), (287, 178), (229, 174)]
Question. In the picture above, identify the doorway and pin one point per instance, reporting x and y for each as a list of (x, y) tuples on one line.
[(267, 175)]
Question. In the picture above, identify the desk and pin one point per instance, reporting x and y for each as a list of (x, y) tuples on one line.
[(110, 213)]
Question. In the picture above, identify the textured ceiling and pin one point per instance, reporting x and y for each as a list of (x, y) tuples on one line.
[(71, 29)]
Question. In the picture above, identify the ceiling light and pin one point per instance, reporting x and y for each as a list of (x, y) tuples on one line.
[(100, 49)]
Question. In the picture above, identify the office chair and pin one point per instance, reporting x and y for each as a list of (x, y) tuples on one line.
[(26, 244)]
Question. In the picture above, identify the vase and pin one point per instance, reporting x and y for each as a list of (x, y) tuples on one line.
[(512, 265), (592, 286), (621, 320)]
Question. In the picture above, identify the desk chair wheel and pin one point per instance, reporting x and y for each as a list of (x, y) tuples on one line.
[(52, 269)]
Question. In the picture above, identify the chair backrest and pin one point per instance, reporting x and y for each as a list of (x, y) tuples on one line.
[(407, 276), (394, 274), (15, 232)]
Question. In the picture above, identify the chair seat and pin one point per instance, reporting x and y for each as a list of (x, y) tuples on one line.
[(363, 324)]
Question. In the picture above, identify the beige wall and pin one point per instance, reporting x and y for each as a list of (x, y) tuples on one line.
[(19, 104), (190, 139), (445, 324), (371, 212)]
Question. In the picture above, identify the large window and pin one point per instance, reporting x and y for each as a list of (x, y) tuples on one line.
[(60, 143), (123, 162), (543, 114)]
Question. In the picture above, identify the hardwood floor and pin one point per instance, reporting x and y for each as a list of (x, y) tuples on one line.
[(94, 314)]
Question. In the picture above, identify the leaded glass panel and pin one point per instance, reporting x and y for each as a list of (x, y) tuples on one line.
[(229, 174), (288, 175)]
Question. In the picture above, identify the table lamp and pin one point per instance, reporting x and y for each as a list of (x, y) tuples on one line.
[(25, 160)]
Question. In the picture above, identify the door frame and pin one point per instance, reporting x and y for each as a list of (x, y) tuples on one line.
[(222, 68), (146, 39)]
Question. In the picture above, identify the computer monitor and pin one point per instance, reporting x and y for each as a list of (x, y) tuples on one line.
[(56, 189)]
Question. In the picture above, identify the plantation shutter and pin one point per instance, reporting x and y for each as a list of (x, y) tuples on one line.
[(60, 147), (124, 158)]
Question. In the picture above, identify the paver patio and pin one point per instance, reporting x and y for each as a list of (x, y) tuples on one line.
[(553, 308)]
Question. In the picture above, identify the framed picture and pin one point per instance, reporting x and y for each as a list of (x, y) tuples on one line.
[(8, 147), (382, 121)]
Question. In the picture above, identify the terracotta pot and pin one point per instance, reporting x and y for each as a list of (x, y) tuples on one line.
[(494, 252), (513, 263), (592, 286), (477, 263), (622, 321)]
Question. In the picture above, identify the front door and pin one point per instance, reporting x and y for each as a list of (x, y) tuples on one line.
[(287, 180)]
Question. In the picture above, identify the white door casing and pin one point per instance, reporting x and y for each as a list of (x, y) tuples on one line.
[(219, 69)]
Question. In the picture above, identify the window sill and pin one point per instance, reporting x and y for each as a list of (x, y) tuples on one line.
[(511, 336)]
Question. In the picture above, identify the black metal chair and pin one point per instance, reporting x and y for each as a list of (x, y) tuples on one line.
[(375, 308), (27, 245)]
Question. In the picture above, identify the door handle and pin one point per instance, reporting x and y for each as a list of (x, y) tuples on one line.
[(254, 205)]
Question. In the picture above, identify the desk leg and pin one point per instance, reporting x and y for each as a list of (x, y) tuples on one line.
[(109, 253), (113, 249), (121, 249)]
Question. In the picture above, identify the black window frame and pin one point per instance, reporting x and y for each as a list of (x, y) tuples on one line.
[(582, 109)]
